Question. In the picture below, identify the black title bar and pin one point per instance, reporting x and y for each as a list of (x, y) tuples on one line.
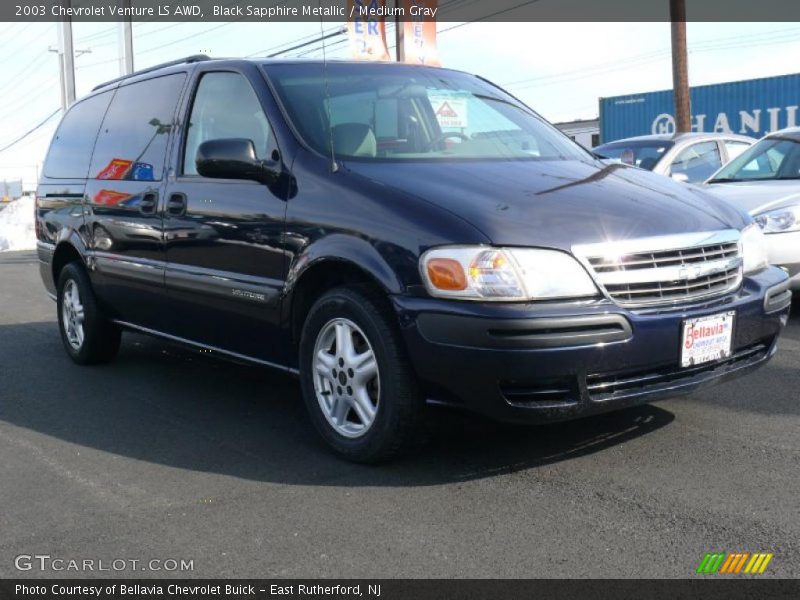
[(447, 11)]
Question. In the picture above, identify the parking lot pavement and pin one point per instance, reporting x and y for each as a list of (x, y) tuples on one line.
[(172, 454)]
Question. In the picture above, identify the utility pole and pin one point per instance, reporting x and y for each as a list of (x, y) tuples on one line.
[(680, 67), (399, 35), (66, 60), (126, 43)]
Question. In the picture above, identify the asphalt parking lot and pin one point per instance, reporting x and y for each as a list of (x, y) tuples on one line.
[(171, 454)]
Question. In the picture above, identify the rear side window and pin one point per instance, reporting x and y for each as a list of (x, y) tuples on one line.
[(133, 139), (225, 106), (71, 149), (698, 162)]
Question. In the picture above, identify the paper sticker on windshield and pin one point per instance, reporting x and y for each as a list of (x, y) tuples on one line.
[(451, 111)]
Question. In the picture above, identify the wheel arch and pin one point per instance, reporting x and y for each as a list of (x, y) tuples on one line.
[(329, 264), (66, 251)]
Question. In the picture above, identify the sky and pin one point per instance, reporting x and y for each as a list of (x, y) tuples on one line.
[(559, 69)]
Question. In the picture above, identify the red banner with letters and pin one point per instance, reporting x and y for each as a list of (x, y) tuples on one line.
[(419, 32), (367, 30)]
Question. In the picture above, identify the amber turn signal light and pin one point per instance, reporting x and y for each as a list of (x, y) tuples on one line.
[(446, 274)]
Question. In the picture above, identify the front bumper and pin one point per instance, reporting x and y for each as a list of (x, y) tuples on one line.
[(784, 252), (542, 362)]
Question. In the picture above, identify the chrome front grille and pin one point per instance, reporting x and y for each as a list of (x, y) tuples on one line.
[(667, 269), (664, 258)]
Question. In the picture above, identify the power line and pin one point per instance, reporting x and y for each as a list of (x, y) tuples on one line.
[(161, 46), (763, 39), (97, 35), (26, 70), (591, 69), (188, 37), (282, 44), (30, 131), (324, 36), (490, 15), (17, 33), (45, 88), (160, 29)]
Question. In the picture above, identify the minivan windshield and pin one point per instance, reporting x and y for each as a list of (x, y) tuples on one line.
[(380, 112), (642, 154), (771, 158)]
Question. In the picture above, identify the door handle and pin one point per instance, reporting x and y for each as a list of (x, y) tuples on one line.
[(149, 203), (176, 205)]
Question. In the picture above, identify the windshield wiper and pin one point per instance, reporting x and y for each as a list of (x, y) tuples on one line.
[(725, 180)]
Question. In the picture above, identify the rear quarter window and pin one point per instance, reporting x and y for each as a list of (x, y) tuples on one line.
[(71, 148), (132, 143)]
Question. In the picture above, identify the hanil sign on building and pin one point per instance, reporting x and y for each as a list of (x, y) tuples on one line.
[(753, 107)]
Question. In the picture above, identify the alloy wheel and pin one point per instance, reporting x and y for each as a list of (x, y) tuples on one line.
[(346, 377), (72, 314)]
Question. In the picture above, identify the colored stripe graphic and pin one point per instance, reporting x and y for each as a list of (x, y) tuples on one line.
[(711, 562), (734, 563), (758, 563)]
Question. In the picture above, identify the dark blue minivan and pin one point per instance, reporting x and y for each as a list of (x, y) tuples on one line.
[(396, 236)]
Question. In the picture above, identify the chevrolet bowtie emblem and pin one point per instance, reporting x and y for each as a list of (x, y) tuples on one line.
[(689, 272)]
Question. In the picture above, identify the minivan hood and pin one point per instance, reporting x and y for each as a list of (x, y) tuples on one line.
[(757, 196), (557, 203)]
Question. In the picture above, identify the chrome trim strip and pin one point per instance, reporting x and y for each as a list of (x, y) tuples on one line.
[(224, 284), (656, 244), (127, 259), (678, 302), (189, 278), (148, 271), (187, 342)]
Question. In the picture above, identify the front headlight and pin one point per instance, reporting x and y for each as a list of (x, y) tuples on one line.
[(754, 249), (483, 273), (779, 220)]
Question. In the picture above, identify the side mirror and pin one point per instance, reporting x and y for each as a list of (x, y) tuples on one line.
[(233, 158)]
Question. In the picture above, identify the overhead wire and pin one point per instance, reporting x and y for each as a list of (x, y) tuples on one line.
[(30, 131)]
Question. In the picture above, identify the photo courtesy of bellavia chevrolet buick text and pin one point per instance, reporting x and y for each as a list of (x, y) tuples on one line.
[(396, 236)]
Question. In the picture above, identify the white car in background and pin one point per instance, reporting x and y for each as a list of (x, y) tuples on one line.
[(687, 157), (765, 182)]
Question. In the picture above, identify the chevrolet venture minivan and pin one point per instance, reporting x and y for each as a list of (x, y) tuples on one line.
[(396, 236)]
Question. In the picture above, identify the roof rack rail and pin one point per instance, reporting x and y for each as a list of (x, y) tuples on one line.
[(178, 61)]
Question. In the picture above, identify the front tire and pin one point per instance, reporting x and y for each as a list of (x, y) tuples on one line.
[(88, 337), (358, 385)]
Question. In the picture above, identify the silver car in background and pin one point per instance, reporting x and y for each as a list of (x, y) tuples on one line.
[(765, 182), (687, 157)]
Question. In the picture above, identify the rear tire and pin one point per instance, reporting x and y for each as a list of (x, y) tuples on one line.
[(358, 384), (88, 337)]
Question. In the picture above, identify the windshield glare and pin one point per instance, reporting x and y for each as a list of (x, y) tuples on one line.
[(771, 158), (644, 155), (396, 112)]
